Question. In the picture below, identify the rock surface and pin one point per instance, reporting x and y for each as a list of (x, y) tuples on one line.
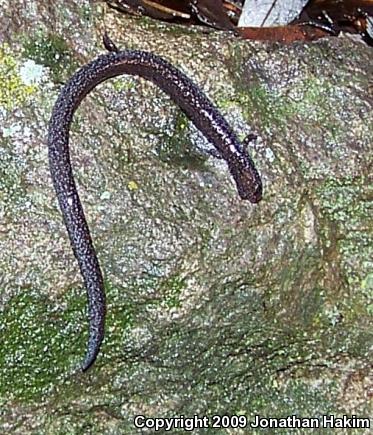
[(215, 306)]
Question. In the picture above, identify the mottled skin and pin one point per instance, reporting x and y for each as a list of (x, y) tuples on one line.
[(195, 105)]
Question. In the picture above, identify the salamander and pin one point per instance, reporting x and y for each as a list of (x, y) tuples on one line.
[(192, 101)]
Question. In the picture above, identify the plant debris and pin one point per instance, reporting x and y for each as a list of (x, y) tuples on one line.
[(275, 20)]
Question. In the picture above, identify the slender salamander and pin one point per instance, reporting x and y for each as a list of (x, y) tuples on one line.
[(193, 103)]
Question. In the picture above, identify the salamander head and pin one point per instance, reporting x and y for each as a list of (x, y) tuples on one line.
[(247, 178)]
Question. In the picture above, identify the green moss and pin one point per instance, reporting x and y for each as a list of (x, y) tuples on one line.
[(310, 101), (51, 51), (41, 340), (85, 12), (271, 109), (120, 84), (342, 212), (312, 106), (315, 102), (13, 92), (123, 314), (171, 290), (177, 149), (32, 339)]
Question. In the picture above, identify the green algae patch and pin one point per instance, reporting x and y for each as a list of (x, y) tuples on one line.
[(171, 290), (13, 91), (28, 347), (177, 149), (271, 109), (120, 85), (44, 341), (41, 340), (51, 51), (120, 317), (310, 102)]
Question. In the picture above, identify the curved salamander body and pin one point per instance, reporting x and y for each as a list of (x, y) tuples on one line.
[(195, 105)]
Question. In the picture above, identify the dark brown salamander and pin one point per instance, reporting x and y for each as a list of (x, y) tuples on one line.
[(195, 105)]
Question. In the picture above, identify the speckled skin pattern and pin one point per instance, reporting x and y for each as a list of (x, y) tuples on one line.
[(195, 105)]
